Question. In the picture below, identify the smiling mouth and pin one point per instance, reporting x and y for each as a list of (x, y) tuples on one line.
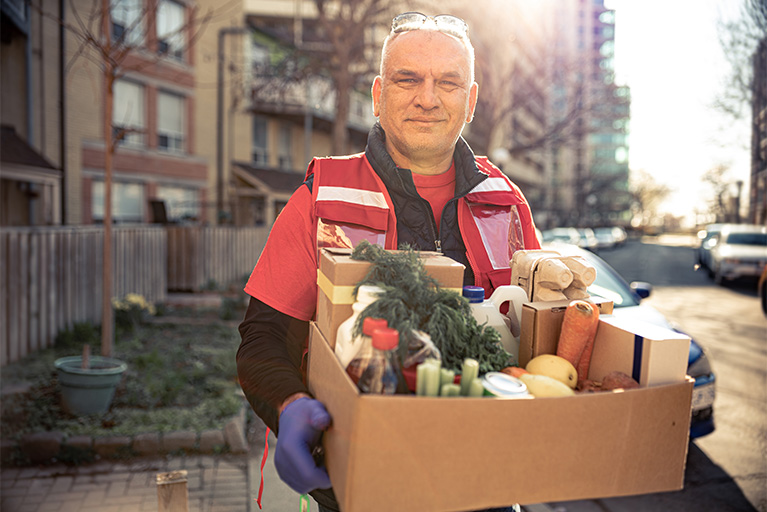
[(425, 121)]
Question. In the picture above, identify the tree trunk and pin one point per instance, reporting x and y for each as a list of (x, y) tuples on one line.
[(340, 130), (107, 326)]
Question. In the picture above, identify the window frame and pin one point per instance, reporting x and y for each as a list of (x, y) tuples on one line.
[(169, 140)]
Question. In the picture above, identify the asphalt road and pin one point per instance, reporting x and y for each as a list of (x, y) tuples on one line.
[(726, 470)]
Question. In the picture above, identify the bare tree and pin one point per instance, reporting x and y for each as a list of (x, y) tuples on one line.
[(647, 195), (112, 52), (739, 38), (721, 202)]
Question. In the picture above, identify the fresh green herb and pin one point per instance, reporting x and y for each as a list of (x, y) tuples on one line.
[(413, 300)]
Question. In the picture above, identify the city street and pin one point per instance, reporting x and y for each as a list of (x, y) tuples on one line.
[(726, 470)]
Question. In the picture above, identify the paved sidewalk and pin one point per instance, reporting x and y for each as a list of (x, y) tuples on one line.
[(215, 484)]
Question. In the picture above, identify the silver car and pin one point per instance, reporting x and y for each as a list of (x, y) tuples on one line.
[(740, 251)]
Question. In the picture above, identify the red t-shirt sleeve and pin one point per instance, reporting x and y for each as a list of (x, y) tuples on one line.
[(285, 276)]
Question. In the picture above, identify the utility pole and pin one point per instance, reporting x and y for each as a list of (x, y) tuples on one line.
[(222, 33)]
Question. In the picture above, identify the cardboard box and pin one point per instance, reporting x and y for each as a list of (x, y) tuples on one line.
[(410, 453), (542, 323), (652, 355), (338, 274)]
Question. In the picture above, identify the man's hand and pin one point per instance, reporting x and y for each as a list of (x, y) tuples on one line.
[(301, 424)]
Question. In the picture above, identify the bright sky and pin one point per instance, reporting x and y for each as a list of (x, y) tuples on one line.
[(668, 52)]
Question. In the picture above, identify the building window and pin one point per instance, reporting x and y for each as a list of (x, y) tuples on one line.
[(181, 203), (260, 155), (170, 122), (127, 21), (127, 202), (128, 113), (170, 29), (285, 147)]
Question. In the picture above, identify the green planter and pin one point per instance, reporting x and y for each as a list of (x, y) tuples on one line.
[(88, 391)]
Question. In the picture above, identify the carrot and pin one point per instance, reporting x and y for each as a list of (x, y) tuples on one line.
[(579, 327), (514, 371), (585, 361)]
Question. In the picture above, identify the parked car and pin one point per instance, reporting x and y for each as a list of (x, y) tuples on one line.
[(605, 238), (762, 287), (564, 235), (587, 239), (707, 241), (620, 235), (627, 302), (740, 251)]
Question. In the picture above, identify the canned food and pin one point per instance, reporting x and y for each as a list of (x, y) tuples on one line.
[(504, 386)]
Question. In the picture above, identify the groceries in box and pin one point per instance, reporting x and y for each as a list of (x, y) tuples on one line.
[(382, 452)]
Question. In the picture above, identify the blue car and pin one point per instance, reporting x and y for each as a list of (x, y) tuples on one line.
[(626, 298)]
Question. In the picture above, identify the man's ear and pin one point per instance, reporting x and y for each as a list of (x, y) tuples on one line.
[(376, 92), (472, 101)]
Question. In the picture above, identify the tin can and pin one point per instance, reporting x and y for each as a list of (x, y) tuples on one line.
[(504, 386)]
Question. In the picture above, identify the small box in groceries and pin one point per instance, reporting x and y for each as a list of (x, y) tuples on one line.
[(338, 274), (415, 453), (651, 354), (542, 323)]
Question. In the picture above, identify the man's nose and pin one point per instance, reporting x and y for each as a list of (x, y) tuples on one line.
[(427, 95)]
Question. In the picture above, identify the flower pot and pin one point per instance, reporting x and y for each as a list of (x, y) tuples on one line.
[(88, 390)]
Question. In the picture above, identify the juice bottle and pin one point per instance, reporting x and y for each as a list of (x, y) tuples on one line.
[(382, 373), (365, 348)]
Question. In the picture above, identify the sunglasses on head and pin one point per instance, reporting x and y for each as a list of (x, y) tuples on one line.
[(446, 23)]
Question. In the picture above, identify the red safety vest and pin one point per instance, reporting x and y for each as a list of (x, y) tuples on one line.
[(351, 202)]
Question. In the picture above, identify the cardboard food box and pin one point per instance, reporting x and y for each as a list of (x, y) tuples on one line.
[(338, 274), (542, 323), (652, 355), (412, 453)]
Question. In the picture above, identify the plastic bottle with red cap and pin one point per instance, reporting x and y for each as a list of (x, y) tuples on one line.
[(365, 350), (382, 373)]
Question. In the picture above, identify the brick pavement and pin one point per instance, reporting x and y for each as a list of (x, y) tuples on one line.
[(214, 483)]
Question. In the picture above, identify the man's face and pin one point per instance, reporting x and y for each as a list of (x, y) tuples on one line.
[(424, 96)]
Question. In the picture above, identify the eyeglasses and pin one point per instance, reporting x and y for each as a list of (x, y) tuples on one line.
[(446, 23)]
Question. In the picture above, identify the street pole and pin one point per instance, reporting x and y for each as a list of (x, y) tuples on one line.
[(220, 118)]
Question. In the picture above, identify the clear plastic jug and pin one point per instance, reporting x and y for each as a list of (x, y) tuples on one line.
[(348, 346), (489, 312)]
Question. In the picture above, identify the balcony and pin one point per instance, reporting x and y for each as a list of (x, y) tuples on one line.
[(315, 96)]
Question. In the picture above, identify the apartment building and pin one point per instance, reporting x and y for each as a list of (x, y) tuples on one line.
[(589, 185), (163, 101), (292, 101), (31, 177)]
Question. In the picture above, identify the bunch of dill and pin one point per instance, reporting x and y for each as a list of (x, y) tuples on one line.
[(413, 300)]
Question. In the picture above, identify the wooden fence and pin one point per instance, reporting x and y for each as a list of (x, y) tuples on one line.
[(202, 257), (50, 277)]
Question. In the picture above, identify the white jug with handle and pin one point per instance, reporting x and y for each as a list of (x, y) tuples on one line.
[(489, 312)]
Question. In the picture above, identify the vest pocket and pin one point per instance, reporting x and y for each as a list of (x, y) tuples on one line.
[(334, 234)]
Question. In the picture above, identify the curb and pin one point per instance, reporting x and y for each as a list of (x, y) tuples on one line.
[(53, 446)]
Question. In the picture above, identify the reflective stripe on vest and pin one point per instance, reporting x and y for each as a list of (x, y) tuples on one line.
[(353, 196)]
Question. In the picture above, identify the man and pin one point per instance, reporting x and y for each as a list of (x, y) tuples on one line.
[(417, 183)]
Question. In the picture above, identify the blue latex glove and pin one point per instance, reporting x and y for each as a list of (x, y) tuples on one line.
[(301, 425)]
